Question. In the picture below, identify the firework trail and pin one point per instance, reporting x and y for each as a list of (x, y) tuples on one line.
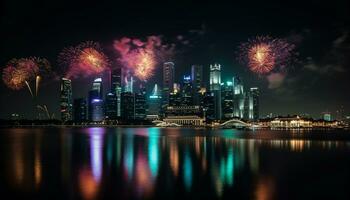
[(141, 57), (263, 55), (37, 81), (84, 59)]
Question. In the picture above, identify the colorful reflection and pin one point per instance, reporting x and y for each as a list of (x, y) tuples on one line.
[(129, 156), (187, 168), (96, 148), (153, 150)]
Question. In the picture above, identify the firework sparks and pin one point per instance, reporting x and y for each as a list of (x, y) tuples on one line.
[(263, 55), (84, 59), (141, 58), (19, 72)]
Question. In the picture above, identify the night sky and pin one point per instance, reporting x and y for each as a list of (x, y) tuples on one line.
[(317, 81)]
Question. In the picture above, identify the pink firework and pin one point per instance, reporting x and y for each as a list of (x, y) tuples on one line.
[(141, 57), (263, 55), (85, 59)]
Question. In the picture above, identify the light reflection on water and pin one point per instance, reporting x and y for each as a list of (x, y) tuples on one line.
[(157, 163)]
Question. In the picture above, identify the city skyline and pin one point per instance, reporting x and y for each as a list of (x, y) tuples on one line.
[(313, 85)]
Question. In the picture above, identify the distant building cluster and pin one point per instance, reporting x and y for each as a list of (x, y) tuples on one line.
[(187, 102)]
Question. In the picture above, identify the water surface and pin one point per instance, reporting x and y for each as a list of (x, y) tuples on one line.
[(173, 163)]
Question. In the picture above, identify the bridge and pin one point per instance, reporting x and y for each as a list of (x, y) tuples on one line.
[(236, 123)]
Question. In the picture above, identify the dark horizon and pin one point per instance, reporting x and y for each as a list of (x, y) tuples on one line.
[(318, 82)]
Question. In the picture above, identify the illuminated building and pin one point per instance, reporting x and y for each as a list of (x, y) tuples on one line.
[(208, 106), (185, 120), (140, 104), (80, 110), (66, 102), (96, 113), (154, 103), (291, 122), (128, 105), (187, 97), (183, 111), (227, 100), (168, 81), (238, 98), (96, 108), (175, 96), (116, 86), (215, 88), (111, 106), (197, 82), (253, 104)]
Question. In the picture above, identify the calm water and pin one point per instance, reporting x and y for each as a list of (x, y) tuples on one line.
[(156, 163)]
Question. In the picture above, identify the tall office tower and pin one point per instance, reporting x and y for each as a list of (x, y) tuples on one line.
[(168, 81), (128, 105), (80, 110), (111, 106), (140, 104), (238, 97), (116, 86), (253, 104), (215, 88), (155, 103), (175, 96), (95, 102), (227, 100), (186, 93), (129, 84), (209, 106), (66, 103), (197, 82)]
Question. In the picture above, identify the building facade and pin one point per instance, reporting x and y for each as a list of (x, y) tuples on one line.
[(111, 106), (66, 102), (116, 87), (128, 106), (187, 92), (140, 104), (215, 88), (227, 100), (95, 101), (197, 82), (168, 81), (80, 110)]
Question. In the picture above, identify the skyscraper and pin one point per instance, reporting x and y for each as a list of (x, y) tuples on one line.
[(95, 102), (111, 106), (175, 96), (238, 97), (197, 82), (140, 104), (215, 88), (227, 100), (209, 106), (80, 110), (128, 106), (254, 104), (66, 103), (168, 81), (154, 103), (187, 92), (116, 86)]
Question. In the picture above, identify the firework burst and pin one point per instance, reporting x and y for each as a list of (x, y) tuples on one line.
[(19, 72), (263, 55), (85, 59), (141, 57)]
